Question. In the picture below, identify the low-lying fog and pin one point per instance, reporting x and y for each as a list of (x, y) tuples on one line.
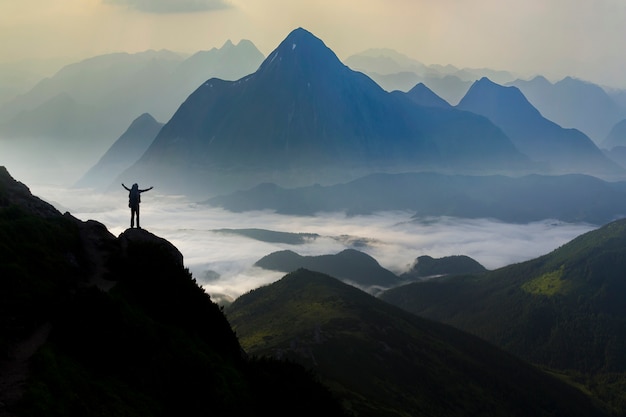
[(223, 263)]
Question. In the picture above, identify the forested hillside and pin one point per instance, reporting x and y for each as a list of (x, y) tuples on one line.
[(564, 310)]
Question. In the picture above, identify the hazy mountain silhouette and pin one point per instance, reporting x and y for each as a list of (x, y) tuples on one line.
[(395, 71), (563, 310), (271, 235), (563, 150), (571, 198), (48, 139), (19, 77), (123, 153), (230, 62), (59, 122), (76, 114), (385, 361), (154, 82), (351, 266), (53, 118), (306, 117), (104, 82), (573, 103), (617, 154), (450, 87), (616, 137), (424, 96), (618, 96), (385, 61)]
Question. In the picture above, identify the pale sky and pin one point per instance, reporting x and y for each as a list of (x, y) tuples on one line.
[(582, 38)]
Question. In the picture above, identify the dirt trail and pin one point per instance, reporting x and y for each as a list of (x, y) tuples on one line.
[(15, 370)]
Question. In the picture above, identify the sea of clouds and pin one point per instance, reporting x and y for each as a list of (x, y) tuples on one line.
[(224, 263)]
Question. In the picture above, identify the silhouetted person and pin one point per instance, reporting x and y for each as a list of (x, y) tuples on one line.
[(134, 198)]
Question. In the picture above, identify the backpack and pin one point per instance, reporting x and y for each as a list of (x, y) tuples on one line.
[(134, 197)]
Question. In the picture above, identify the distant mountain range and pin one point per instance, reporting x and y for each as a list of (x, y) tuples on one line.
[(234, 135), (561, 150), (122, 154), (616, 137), (272, 126), (571, 103), (570, 198), (395, 71), (574, 103), (424, 96), (306, 117), (78, 113), (122, 84)]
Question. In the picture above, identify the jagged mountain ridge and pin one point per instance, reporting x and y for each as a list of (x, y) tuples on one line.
[(573, 103), (562, 150), (395, 71), (305, 113)]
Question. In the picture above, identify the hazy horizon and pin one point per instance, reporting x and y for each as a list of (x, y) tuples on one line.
[(554, 38)]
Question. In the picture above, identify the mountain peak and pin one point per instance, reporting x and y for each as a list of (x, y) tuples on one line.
[(302, 49), (301, 34), (485, 82), (541, 80), (228, 44), (485, 88), (144, 118), (424, 96)]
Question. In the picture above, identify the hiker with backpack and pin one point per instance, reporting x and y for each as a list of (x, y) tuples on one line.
[(134, 198)]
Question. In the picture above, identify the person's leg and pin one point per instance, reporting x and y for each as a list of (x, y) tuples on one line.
[(137, 210), (132, 217)]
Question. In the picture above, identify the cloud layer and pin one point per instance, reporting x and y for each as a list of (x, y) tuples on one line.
[(171, 6), (224, 263)]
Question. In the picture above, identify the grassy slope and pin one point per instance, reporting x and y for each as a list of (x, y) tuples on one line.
[(385, 361), (564, 310)]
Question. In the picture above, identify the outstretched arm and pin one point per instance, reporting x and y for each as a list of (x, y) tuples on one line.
[(147, 189), (127, 189)]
